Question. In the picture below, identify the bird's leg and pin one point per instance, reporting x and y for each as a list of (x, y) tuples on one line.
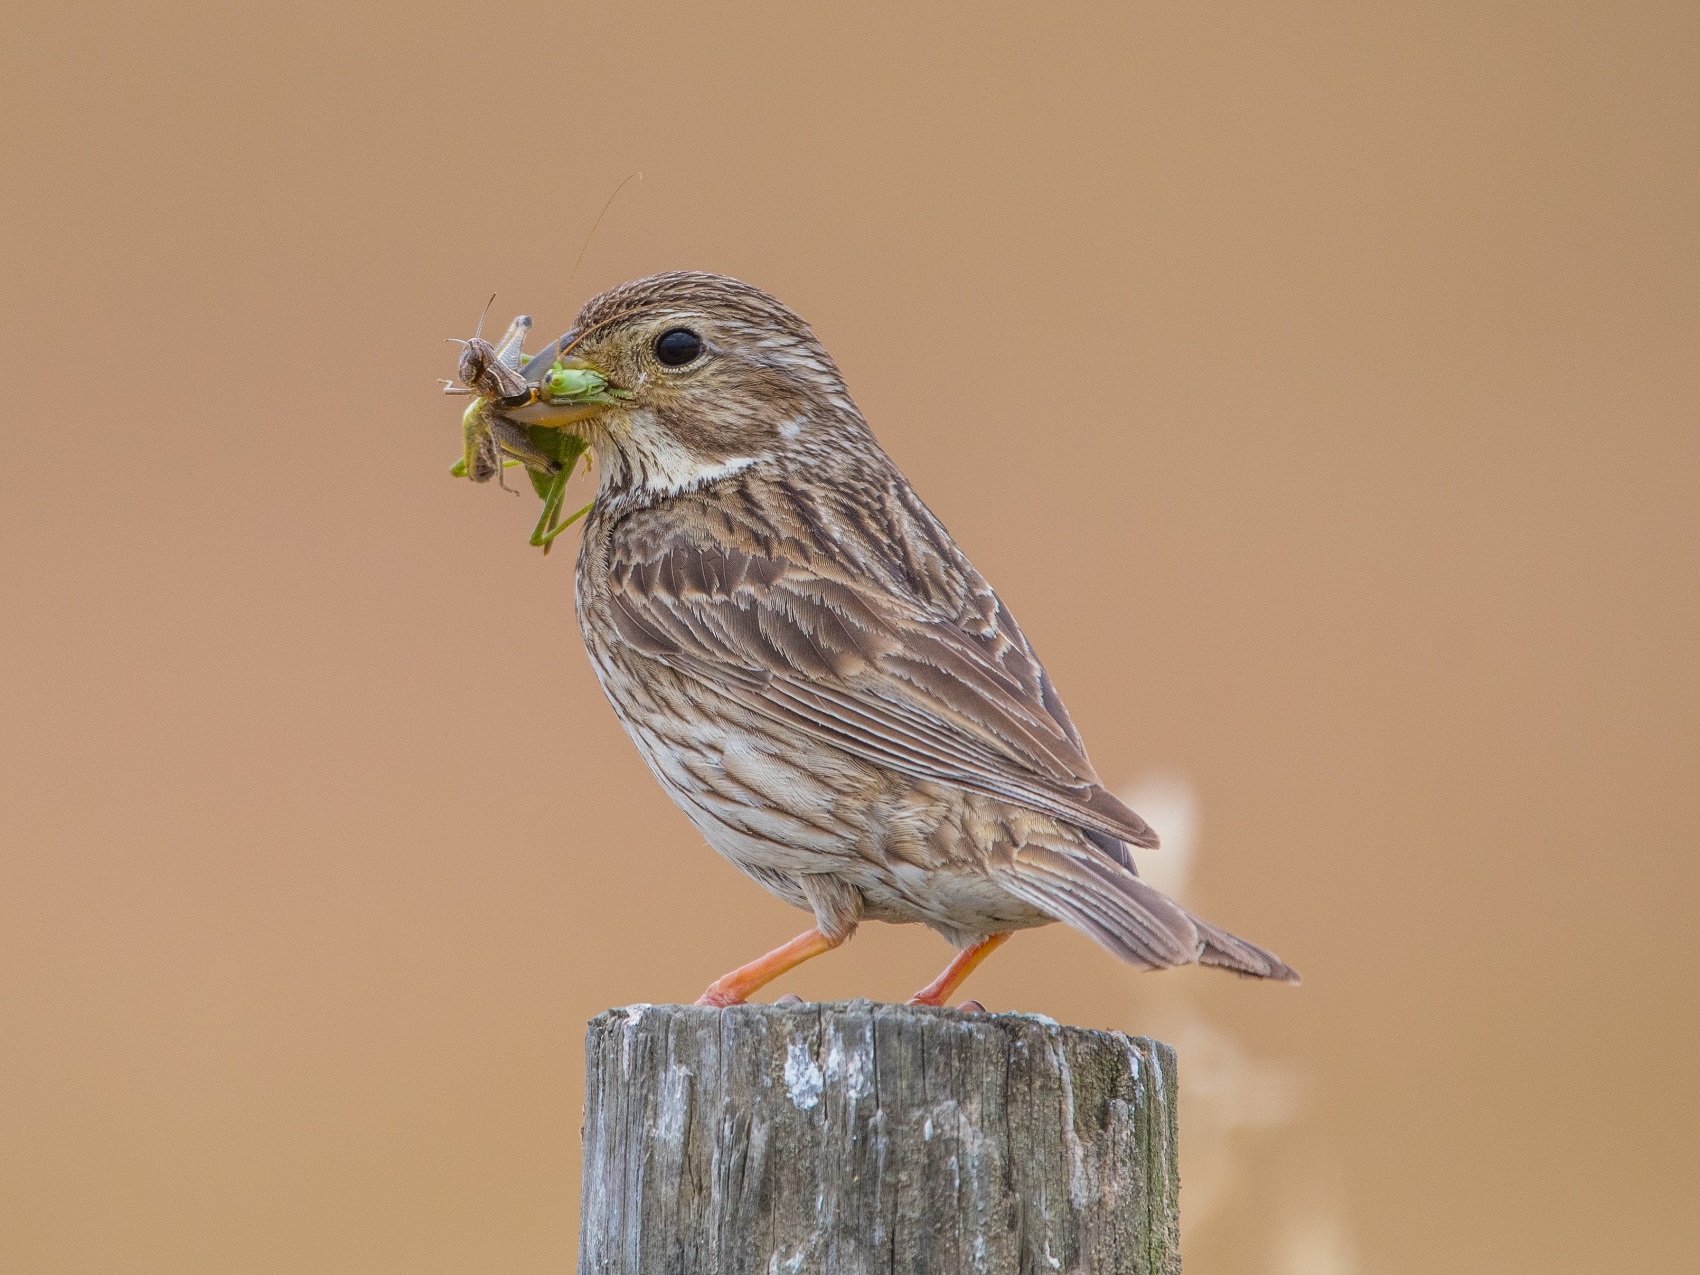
[(938, 991), (742, 983)]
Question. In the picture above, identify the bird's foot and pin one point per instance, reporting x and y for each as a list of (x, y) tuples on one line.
[(718, 997), (938, 991), (745, 981)]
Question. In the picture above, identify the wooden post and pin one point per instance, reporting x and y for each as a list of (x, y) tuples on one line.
[(857, 1138)]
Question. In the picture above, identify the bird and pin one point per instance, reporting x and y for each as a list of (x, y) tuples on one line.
[(814, 671)]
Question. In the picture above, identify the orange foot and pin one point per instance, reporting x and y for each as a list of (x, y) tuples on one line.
[(938, 991), (745, 981)]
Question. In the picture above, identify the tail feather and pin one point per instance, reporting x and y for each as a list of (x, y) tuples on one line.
[(1230, 952), (1111, 905), (1108, 902)]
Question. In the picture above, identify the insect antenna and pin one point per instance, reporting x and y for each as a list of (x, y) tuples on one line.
[(629, 179), (479, 330)]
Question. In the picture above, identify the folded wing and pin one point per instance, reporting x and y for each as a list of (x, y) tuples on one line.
[(964, 703)]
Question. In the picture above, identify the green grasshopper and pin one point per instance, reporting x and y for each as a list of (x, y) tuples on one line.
[(493, 440)]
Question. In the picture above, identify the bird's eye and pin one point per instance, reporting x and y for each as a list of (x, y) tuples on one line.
[(677, 346)]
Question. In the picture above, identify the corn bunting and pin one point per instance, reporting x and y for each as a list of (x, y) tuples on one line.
[(813, 670)]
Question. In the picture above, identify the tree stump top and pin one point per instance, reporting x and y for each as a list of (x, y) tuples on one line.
[(864, 1137)]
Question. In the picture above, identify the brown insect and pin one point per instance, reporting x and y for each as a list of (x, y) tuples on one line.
[(492, 373)]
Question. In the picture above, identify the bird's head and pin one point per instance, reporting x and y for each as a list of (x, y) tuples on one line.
[(707, 376)]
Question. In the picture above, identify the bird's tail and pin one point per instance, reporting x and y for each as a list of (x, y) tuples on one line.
[(1230, 952), (1138, 923)]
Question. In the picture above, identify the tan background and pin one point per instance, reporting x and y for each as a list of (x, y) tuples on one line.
[(1317, 382)]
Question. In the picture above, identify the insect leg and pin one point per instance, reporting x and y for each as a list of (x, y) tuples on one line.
[(510, 350), (551, 509), (550, 538), (511, 438)]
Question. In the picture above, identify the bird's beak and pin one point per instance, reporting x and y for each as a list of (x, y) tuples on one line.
[(565, 391)]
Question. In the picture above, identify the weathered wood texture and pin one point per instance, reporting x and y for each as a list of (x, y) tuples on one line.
[(861, 1138)]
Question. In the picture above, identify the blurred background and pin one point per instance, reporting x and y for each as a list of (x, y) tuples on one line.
[(1317, 382)]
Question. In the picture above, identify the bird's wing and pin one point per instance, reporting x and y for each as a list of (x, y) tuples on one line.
[(963, 701)]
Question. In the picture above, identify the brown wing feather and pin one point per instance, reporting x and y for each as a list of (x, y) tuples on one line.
[(849, 661)]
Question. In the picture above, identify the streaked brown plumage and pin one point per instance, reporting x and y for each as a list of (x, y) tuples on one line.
[(815, 672)]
